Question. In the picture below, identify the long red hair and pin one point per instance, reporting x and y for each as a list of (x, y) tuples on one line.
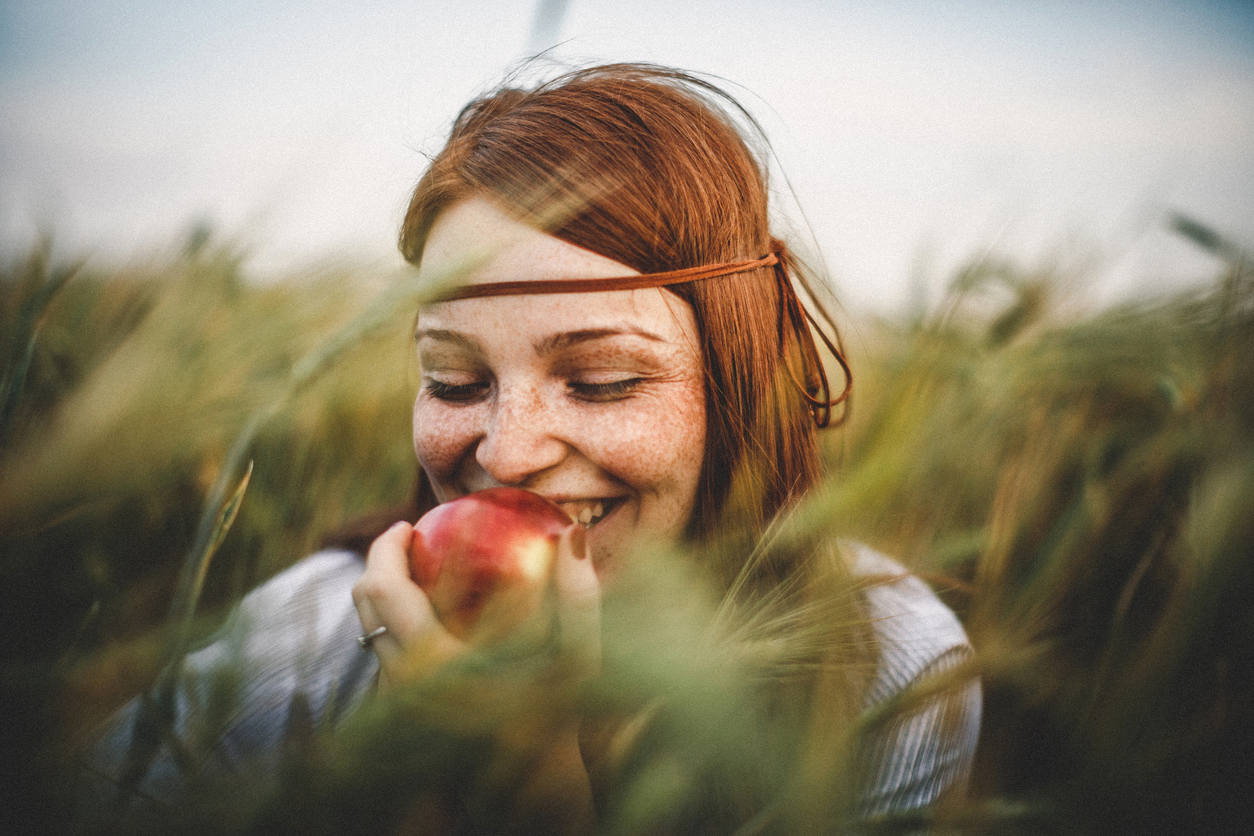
[(645, 165)]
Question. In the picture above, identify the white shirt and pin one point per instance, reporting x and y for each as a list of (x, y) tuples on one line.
[(296, 635)]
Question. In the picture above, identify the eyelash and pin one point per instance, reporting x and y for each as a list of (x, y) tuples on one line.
[(605, 391), (456, 393), (598, 392)]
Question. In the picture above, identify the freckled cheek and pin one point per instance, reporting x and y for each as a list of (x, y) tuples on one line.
[(659, 450), (442, 439)]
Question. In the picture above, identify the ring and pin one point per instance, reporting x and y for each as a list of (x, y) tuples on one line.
[(367, 639)]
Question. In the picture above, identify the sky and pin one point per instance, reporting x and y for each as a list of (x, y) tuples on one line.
[(913, 135)]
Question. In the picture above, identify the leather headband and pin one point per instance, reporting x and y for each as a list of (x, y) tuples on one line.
[(636, 282), (815, 390)]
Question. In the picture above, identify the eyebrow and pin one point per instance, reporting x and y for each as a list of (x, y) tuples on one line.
[(455, 337), (547, 345), (566, 339)]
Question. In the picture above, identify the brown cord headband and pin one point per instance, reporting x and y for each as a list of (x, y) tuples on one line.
[(790, 308), (636, 282)]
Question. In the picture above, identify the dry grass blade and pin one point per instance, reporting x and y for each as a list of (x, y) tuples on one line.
[(200, 560), (45, 283)]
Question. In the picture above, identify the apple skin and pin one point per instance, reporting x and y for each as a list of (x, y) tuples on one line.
[(494, 545)]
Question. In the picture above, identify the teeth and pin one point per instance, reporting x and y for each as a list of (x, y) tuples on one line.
[(585, 513)]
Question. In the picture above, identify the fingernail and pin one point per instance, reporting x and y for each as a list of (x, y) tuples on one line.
[(396, 525)]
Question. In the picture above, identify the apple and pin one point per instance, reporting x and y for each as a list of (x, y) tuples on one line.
[(496, 545)]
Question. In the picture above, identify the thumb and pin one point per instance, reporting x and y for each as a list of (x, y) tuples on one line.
[(578, 601)]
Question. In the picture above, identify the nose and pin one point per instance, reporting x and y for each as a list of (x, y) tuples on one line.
[(520, 439)]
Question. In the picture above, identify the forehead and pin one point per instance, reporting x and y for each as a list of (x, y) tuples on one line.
[(476, 242), (511, 323)]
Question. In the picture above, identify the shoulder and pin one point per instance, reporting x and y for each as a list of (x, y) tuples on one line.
[(303, 605), (295, 632), (914, 630), (919, 754), (320, 584)]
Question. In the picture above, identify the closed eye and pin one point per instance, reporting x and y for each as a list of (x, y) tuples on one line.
[(612, 391), (455, 392)]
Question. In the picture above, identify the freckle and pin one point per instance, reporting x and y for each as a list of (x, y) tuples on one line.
[(441, 445)]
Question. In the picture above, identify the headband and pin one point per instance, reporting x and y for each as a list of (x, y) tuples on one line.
[(792, 314)]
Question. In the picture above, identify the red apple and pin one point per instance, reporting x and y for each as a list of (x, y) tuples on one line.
[(494, 545)]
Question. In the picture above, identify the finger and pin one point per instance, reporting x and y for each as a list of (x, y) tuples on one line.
[(389, 553), (385, 595), (578, 600), (385, 575)]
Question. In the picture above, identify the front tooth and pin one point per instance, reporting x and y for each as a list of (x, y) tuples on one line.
[(598, 510), (585, 515)]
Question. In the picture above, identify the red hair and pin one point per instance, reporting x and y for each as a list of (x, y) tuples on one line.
[(645, 165)]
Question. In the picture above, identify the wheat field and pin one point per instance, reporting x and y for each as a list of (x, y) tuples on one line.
[(1077, 483)]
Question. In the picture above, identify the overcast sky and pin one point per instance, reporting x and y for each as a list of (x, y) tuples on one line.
[(914, 133)]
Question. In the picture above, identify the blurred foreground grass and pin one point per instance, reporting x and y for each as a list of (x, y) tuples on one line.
[(1080, 488)]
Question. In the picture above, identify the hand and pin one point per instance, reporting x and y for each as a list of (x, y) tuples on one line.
[(415, 643), (578, 603), (558, 792)]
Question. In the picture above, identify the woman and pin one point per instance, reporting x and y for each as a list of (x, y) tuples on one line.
[(623, 337)]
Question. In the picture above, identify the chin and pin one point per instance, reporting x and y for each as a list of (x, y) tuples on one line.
[(607, 541), (613, 540)]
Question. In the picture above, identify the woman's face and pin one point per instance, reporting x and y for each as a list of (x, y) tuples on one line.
[(595, 400)]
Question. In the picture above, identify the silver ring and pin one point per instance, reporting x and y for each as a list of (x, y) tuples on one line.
[(367, 639)]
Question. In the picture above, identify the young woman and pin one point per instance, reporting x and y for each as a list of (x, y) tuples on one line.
[(624, 337)]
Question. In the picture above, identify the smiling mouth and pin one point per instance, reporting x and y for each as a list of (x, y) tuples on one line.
[(589, 512)]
